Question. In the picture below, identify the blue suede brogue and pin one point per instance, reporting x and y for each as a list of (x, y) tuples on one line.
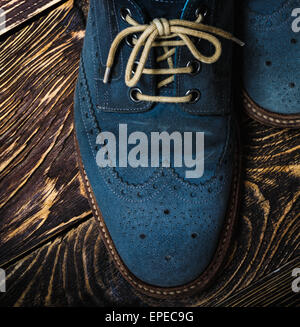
[(271, 61), (156, 139)]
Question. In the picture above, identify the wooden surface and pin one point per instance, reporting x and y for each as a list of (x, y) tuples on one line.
[(40, 193), (50, 246), (17, 12)]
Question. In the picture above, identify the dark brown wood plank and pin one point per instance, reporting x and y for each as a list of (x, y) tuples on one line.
[(271, 290), (40, 192), (72, 270), (15, 12)]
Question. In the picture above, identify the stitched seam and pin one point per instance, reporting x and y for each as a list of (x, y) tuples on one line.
[(121, 265), (95, 126), (115, 175), (151, 179), (270, 119)]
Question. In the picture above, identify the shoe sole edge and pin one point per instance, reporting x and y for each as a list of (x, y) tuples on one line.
[(266, 117)]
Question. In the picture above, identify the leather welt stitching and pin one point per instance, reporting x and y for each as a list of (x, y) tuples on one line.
[(264, 116)]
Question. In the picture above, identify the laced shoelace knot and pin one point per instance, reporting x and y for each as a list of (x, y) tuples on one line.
[(167, 34)]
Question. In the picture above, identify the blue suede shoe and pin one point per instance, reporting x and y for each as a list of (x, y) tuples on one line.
[(152, 67), (271, 61)]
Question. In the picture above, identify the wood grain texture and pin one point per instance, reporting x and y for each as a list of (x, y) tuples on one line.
[(40, 192), (272, 290), (45, 212), (16, 12), (72, 270)]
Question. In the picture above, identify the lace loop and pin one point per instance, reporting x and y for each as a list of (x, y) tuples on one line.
[(163, 26), (165, 33)]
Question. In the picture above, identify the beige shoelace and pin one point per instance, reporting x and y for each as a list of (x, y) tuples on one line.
[(164, 33)]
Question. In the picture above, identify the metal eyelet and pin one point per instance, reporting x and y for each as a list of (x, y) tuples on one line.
[(196, 65), (202, 10), (132, 94), (129, 40), (134, 67), (124, 12), (196, 95)]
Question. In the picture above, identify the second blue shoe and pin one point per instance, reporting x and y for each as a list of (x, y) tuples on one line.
[(271, 61)]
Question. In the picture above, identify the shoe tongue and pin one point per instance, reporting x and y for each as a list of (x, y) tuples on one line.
[(170, 9)]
